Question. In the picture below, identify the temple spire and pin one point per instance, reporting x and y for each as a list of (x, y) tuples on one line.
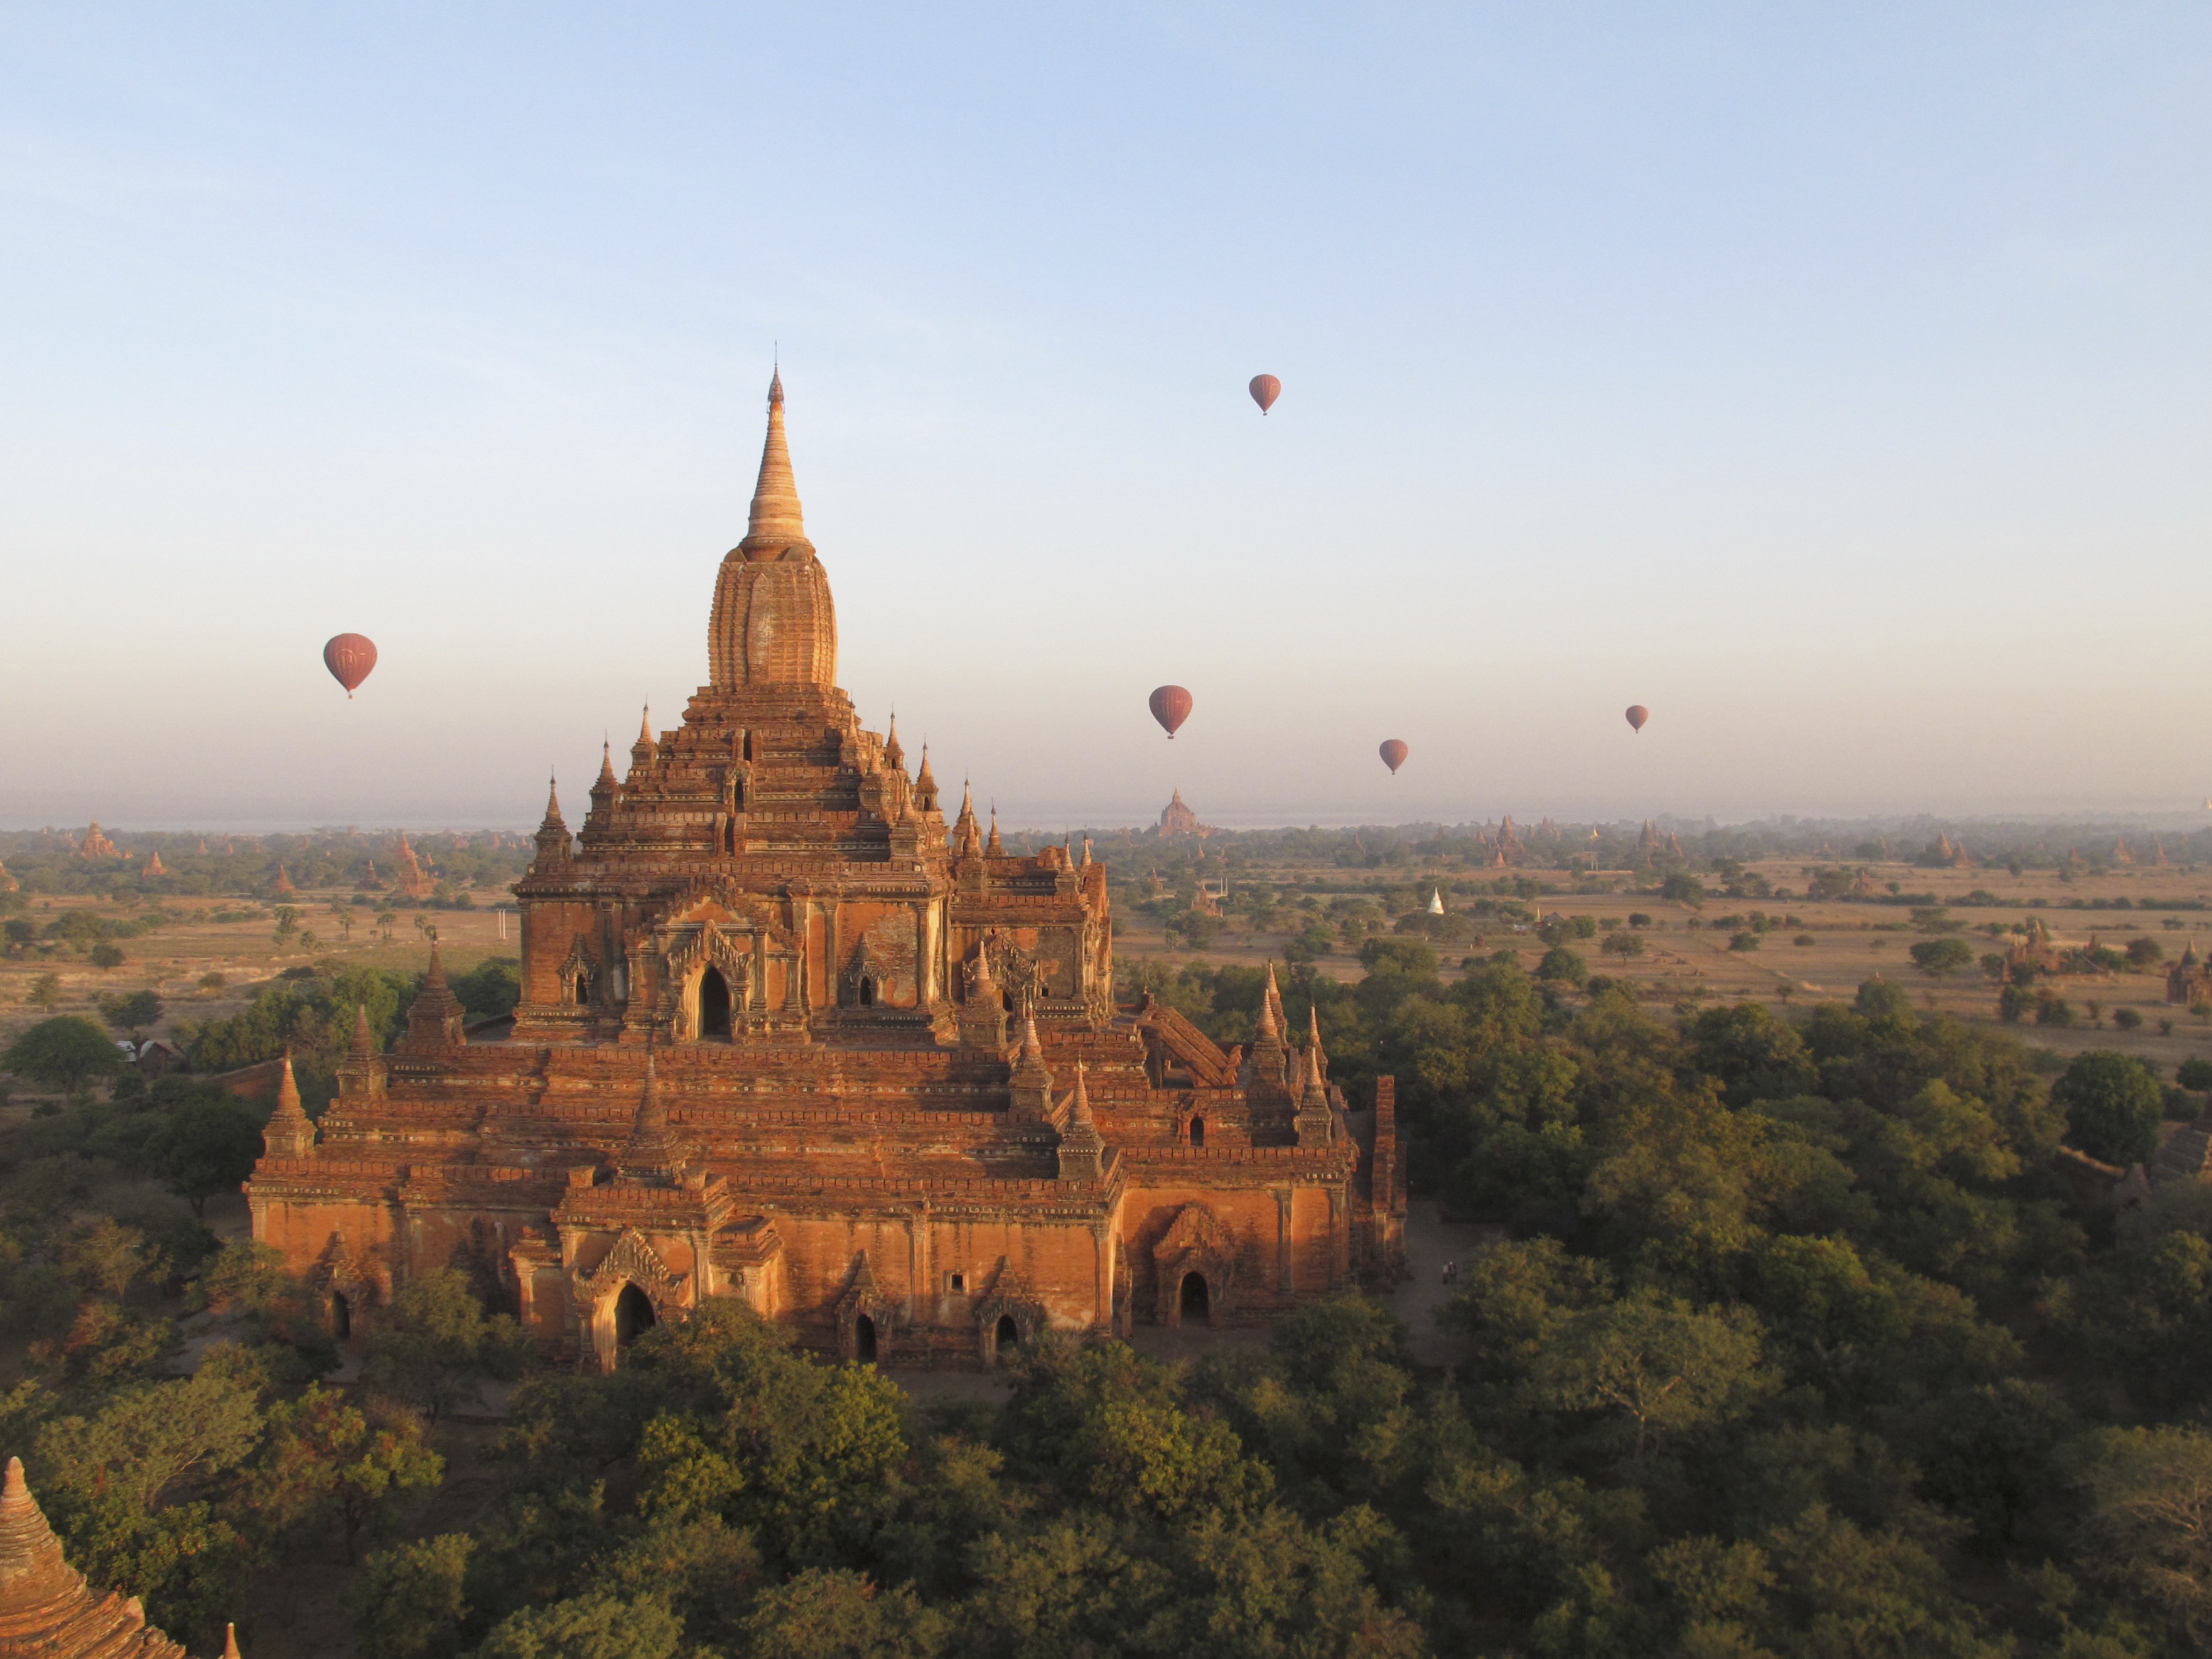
[(652, 1150), (993, 847), (776, 523), (363, 1043), (291, 1132), (1082, 1148), (925, 783)]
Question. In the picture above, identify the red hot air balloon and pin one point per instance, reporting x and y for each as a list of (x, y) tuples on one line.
[(1266, 388), (1393, 755), (349, 657), (1638, 714), (1170, 707)]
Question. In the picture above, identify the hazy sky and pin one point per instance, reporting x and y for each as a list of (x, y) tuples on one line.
[(1838, 381)]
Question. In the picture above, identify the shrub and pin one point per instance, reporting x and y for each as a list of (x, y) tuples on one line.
[(2128, 1020), (1744, 941), (1563, 966)]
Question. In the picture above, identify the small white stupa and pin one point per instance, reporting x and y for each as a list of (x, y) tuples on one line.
[(1435, 901)]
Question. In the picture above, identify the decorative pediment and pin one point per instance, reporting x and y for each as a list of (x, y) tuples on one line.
[(712, 945), (1196, 1231), (337, 1269), (579, 964), (633, 1261), (719, 902), (862, 1300)]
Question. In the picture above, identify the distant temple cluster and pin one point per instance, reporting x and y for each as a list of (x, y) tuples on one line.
[(788, 1038)]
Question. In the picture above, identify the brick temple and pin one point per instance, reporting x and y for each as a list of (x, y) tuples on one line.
[(787, 1036)]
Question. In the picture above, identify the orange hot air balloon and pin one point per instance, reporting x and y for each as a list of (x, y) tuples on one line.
[(1170, 707), (349, 657), (1638, 714), (1266, 388), (1393, 755)]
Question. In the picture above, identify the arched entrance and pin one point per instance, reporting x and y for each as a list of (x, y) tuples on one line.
[(1191, 1300), (1005, 1336), (634, 1315), (714, 1004), (341, 1316), (864, 1339), (1198, 1131)]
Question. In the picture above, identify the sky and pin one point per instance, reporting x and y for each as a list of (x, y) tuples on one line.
[(1837, 381)]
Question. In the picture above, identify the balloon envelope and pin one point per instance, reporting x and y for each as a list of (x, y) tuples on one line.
[(1638, 714), (1393, 755), (1266, 388), (349, 657), (1170, 707)]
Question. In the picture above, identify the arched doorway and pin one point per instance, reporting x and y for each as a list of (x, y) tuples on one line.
[(341, 1316), (864, 1339), (1005, 1336), (714, 1004), (1198, 1131), (867, 994), (1191, 1304), (634, 1315)]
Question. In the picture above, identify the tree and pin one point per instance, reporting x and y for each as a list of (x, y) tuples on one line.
[(132, 1013), (66, 1052), (1659, 1363), (2195, 1075), (106, 957), (326, 1460), (211, 981), (1683, 888), (288, 923), (2145, 952), (436, 1348), (2149, 1525), (1624, 946), (45, 992), (1936, 957), (605, 1627), (408, 1600), (209, 1144), (2114, 1106), (1564, 967), (1745, 941)]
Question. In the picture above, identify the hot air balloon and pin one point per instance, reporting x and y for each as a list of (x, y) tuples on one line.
[(1638, 714), (1266, 388), (1393, 755), (1170, 707), (349, 657)]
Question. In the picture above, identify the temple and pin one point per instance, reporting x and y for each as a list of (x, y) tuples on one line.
[(787, 1036), (47, 1609)]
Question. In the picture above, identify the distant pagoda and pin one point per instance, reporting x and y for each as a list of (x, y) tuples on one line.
[(1177, 822)]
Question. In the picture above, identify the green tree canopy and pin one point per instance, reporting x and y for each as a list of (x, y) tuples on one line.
[(2114, 1106), (65, 1052)]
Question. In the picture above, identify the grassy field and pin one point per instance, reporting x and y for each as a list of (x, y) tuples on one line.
[(172, 959), (1688, 955)]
